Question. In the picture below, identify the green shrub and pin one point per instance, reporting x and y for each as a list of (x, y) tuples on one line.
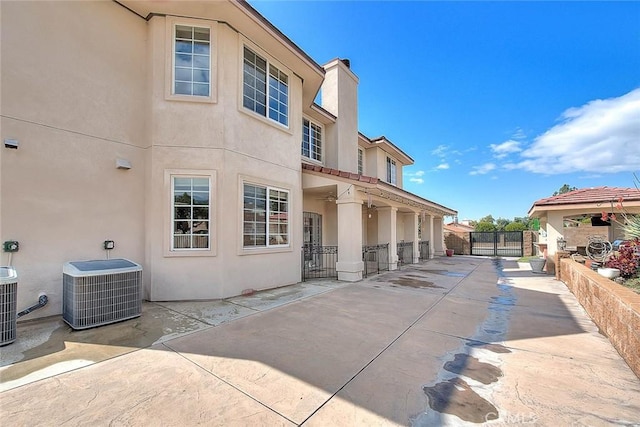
[(632, 227), (626, 260)]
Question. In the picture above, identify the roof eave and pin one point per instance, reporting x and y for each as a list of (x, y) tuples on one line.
[(243, 18)]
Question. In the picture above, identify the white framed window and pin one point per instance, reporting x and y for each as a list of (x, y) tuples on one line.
[(191, 61), (311, 140), (360, 164), (265, 216), (191, 211), (265, 89), (391, 171)]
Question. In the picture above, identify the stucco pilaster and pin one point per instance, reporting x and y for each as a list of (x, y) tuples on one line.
[(427, 233), (387, 218), (438, 236), (349, 265)]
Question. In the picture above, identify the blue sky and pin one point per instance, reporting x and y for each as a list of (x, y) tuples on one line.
[(498, 103)]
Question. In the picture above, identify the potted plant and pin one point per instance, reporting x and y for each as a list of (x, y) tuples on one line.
[(537, 264)]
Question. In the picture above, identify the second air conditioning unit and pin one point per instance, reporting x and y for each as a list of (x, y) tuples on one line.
[(100, 292)]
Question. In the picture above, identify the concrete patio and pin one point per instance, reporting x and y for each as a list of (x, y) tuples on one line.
[(452, 341)]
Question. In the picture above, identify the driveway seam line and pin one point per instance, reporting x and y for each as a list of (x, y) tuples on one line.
[(229, 384), (391, 343)]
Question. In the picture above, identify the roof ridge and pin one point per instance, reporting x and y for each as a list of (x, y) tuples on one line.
[(590, 195)]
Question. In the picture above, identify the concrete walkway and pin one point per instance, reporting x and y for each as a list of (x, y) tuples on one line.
[(453, 341)]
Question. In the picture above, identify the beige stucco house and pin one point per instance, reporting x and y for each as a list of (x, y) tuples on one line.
[(563, 216), (187, 133)]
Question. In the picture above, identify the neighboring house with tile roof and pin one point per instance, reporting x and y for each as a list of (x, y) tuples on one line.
[(187, 133), (458, 227), (557, 212), (457, 236)]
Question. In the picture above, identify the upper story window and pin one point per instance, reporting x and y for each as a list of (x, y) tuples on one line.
[(360, 164), (311, 140), (256, 91), (265, 216), (192, 61), (191, 212), (391, 171)]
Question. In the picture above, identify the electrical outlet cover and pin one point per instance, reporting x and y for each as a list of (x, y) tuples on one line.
[(11, 246)]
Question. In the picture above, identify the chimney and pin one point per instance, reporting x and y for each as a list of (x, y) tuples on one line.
[(340, 97)]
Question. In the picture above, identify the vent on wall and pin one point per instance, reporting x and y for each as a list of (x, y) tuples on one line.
[(100, 292)]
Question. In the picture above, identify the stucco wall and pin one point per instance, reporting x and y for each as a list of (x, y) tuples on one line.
[(73, 95), (86, 83), (579, 236), (381, 164), (614, 308), (222, 138), (371, 163)]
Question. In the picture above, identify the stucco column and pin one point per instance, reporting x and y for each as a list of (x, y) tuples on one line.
[(349, 265), (554, 230), (387, 233), (411, 233), (438, 236), (427, 233)]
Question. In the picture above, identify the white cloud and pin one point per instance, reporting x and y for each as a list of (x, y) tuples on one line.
[(442, 166), (415, 176), (501, 151), (602, 136), (519, 134), (482, 169), (440, 150)]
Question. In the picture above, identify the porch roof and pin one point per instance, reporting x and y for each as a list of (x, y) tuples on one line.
[(596, 198), (384, 190)]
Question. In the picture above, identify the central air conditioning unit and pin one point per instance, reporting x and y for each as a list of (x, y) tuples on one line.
[(100, 292), (8, 299)]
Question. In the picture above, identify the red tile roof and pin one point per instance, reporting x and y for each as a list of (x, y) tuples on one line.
[(375, 181), (458, 228), (342, 174), (591, 195)]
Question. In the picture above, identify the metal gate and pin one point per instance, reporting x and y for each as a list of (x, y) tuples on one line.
[(405, 253), (376, 258), (319, 262), (424, 250), (497, 243)]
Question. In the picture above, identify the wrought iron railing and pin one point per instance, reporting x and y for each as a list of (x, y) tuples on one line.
[(405, 253), (376, 258), (319, 262), (424, 250)]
